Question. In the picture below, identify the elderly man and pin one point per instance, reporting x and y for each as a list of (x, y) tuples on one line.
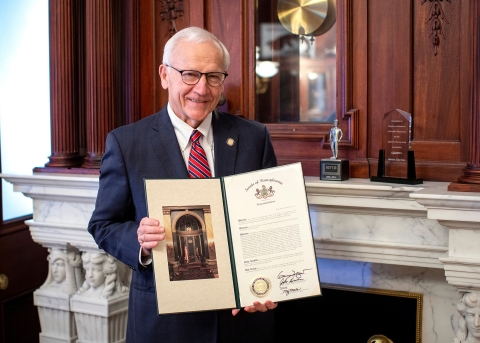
[(187, 138)]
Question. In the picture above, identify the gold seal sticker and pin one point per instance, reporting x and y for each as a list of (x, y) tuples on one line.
[(260, 286)]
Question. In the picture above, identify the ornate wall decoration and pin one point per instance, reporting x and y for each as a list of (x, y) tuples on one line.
[(435, 18), (172, 10)]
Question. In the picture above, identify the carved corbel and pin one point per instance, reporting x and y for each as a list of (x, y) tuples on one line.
[(171, 11), (435, 18)]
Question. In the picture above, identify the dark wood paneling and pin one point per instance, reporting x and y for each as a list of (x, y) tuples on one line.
[(149, 91), (129, 60), (26, 272), (359, 74), (469, 181), (21, 322), (389, 64), (436, 150), (405, 73), (436, 84), (162, 35), (385, 60), (228, 28)]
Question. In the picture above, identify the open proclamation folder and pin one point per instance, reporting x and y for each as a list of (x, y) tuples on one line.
[(233, 240)]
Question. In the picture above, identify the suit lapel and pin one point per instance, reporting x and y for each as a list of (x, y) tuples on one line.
[(165, 145), (225, 140)]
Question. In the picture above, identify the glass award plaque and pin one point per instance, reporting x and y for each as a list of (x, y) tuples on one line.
[(397, 149)]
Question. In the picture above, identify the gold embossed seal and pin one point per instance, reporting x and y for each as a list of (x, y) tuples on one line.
[(261, 286)]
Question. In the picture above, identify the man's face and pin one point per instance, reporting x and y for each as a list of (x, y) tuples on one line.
[(472, 317), (192, 103)]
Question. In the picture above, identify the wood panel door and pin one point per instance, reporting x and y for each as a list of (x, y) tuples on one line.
[(24, 263)]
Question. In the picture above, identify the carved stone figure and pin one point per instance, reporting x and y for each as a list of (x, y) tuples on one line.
[(335, 138), (469, 321), (65, 271), (102, 279)]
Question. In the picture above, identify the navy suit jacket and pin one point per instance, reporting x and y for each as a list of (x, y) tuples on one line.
[(149, 149)]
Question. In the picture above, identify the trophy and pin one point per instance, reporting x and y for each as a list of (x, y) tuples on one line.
[(332, 168), (397, 150)]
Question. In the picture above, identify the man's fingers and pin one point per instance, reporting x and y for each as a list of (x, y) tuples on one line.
[(270, 304), (152, 237), (258, 306), (149, 233), (149, 225), (149, 222), (149, 241), (149, 245)]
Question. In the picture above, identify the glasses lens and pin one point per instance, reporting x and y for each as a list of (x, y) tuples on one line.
[(191, 77), (215, 79)]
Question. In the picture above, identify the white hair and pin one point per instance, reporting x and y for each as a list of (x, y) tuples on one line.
[(195, 35)]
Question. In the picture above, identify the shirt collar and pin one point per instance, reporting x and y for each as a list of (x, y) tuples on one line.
[(184, 131)]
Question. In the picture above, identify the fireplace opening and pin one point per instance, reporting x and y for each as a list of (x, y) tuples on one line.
[(351, 314)]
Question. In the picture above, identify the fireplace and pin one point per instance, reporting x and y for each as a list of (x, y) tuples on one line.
[(351, 314)]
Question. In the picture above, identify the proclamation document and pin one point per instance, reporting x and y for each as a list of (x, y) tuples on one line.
[(232, 241), (271, 234)]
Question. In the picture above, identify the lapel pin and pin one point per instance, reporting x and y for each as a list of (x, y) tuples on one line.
[(230, 141)]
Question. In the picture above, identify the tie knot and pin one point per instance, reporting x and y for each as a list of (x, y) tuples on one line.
[(195, 136)]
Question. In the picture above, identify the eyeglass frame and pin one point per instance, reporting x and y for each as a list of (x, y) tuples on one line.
[(196, 71)]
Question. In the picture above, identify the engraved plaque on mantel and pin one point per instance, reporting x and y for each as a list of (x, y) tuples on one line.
[(397, 130)]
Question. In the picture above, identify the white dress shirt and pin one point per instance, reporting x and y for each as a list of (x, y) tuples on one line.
[(183, 131)]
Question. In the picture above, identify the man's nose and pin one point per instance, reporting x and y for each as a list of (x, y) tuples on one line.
[(477, 320), (202, 84)]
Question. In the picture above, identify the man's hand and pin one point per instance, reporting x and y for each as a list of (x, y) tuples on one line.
[(149, 233), (257, 306)]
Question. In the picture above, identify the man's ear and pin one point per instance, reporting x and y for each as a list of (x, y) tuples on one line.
[(162, 71)]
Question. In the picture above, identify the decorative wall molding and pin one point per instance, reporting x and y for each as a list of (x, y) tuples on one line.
[(435, 18), (171, 11)]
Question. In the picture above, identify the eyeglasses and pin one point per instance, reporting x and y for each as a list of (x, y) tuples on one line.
[(191, 77)]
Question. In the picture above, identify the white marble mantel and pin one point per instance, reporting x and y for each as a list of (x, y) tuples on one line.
[(62, 207), (419, 238), (367, 221)]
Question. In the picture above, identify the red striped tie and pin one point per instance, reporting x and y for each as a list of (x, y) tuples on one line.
[(197, 162)]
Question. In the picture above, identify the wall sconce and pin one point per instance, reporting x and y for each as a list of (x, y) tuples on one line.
[(264, 71)]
